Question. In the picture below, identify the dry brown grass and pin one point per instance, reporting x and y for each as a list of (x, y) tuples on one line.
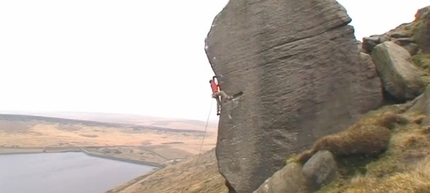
[(416, 180), (192, 175)]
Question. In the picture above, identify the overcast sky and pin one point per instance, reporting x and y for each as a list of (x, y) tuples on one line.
[(133, 56)]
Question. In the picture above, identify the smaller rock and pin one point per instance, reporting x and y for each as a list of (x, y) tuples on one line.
[(320, 170), (403, 41), (400, 77), (384, 37), (370, 42), (409, 44), (399, 34), (289, 179)]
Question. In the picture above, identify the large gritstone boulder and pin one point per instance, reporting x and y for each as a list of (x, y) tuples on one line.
[(302, 77)]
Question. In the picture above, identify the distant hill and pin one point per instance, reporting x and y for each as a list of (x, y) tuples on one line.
[(88, 122), (127, 119), (35, 131)]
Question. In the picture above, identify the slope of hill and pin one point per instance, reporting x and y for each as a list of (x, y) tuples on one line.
[(196, 174)]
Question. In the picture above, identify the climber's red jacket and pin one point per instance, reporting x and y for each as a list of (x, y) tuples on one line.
[(214, 86)]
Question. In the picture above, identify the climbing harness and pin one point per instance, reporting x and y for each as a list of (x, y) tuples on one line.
[(206, 127)]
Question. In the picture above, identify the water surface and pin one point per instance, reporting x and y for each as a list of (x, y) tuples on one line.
[(73, 172)]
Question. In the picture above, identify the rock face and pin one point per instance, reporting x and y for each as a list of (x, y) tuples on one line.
[(370, 42), (302, 77), (401, 78)]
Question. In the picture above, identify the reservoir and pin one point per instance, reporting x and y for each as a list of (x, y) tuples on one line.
[(72, 172)]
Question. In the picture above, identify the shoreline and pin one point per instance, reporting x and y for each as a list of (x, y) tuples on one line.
[(126, 185), (99, 155), (41, 150)]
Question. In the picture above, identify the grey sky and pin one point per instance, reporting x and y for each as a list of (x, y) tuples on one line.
[(139, 57)]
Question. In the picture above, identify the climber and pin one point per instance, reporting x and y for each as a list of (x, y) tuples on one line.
[(216, 94)]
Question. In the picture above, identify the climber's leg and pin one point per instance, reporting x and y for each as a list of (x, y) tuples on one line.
[(224, 96), (218, 102)]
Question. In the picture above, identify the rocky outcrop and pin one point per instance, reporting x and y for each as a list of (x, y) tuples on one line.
[(302, 77), (400, 36), (401, 78), (414, 37), (370, 42)]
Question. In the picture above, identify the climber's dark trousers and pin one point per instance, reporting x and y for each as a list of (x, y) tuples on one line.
[(220, 97)]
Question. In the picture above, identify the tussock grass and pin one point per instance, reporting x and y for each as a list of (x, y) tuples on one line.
[(416, 180)]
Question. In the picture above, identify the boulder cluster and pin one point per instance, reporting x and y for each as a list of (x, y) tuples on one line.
[(402, 57)]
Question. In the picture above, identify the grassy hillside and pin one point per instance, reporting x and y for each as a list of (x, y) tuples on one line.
[(370, 160), (196, 174)]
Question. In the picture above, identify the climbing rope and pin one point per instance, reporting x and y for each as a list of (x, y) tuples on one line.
[(206, 127)]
